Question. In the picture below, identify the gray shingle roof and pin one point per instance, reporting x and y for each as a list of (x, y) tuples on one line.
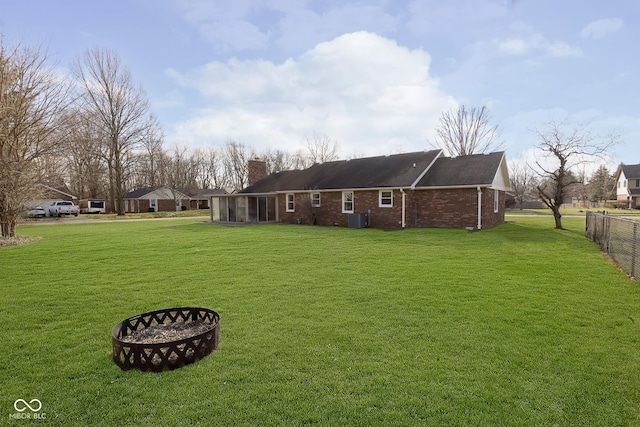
[(631, 171), (138, 193), (399, 170), (475, 169)]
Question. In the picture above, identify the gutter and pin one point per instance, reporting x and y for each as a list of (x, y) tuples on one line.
[(404, 210), (479, 208)]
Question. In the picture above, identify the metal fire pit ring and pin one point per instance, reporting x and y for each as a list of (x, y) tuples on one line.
[(165, 355)]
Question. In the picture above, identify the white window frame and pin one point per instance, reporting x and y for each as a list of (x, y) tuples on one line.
[(290, 202), (389, 198), (496, 197), (315, 201), (345, 201)]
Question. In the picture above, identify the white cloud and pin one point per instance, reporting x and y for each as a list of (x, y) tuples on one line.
[(601, 28), (536, 43), (367, 92)]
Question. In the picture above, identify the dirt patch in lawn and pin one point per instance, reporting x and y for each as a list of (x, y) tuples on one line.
[(18, 240)]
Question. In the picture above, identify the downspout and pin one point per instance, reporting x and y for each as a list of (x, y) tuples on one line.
[(403, 207), (479, 208), (211, 209)]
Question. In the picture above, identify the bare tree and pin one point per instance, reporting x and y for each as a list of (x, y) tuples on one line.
[(320, 148), (580, 190), (212, 176), (466, 132), (278, 160), (523, 182), (32, 104), (563, 147), (121, 110), (300, 161), (235, 159), (176, 171), (84, 162), (151, 158)]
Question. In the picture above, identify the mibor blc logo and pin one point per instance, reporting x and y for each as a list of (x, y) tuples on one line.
[(28, 410)]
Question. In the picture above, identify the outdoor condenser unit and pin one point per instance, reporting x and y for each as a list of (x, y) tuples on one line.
[(358, 220)]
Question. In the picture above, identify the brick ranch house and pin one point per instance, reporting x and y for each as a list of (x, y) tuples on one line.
[(421, 189), (162, 199)]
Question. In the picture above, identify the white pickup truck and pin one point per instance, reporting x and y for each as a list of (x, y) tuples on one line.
[(61, 207)]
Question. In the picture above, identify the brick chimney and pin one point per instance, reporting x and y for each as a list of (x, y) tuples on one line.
[(257, 170)]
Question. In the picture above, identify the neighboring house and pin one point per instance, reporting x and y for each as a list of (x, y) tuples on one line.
[(199, 199), (628, 186), (154, 200), (49, 194), (59, 193), (421, 189), (162, 199)]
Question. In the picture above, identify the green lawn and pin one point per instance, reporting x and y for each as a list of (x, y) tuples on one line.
[(517, 325)]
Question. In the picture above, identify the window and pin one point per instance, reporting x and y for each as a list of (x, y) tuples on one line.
[(291, 203), (386, 198), (496, 197), (624, 184), (315, 200), (637, 182), (347, 202)]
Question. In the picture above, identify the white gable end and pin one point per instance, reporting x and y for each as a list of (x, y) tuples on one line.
[(501, 181)]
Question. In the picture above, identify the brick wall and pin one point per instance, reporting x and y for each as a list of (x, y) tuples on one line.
[(143, 205), (457, 208), (453, 208)]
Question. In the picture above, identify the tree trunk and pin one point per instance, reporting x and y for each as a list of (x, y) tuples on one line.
[(557, 217), (8, 228)]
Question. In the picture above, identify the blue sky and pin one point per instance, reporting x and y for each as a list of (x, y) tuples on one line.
[(373, 75)]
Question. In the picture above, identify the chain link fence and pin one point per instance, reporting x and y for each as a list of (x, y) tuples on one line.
[(618, 237)]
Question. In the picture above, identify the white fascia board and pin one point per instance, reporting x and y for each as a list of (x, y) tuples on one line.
[(57, 191), (453, 187), (249, 194), (335, 190)]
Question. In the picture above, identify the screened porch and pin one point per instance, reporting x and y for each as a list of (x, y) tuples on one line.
[(244, 208)]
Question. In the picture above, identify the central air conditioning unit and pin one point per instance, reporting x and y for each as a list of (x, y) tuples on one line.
[(358, 220)]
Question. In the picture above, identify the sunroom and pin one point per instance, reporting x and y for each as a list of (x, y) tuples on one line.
[(244, 208)]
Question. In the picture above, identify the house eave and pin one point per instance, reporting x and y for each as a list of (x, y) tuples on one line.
[(213, 196), (333, 190), (452, 187), (58, 191)]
